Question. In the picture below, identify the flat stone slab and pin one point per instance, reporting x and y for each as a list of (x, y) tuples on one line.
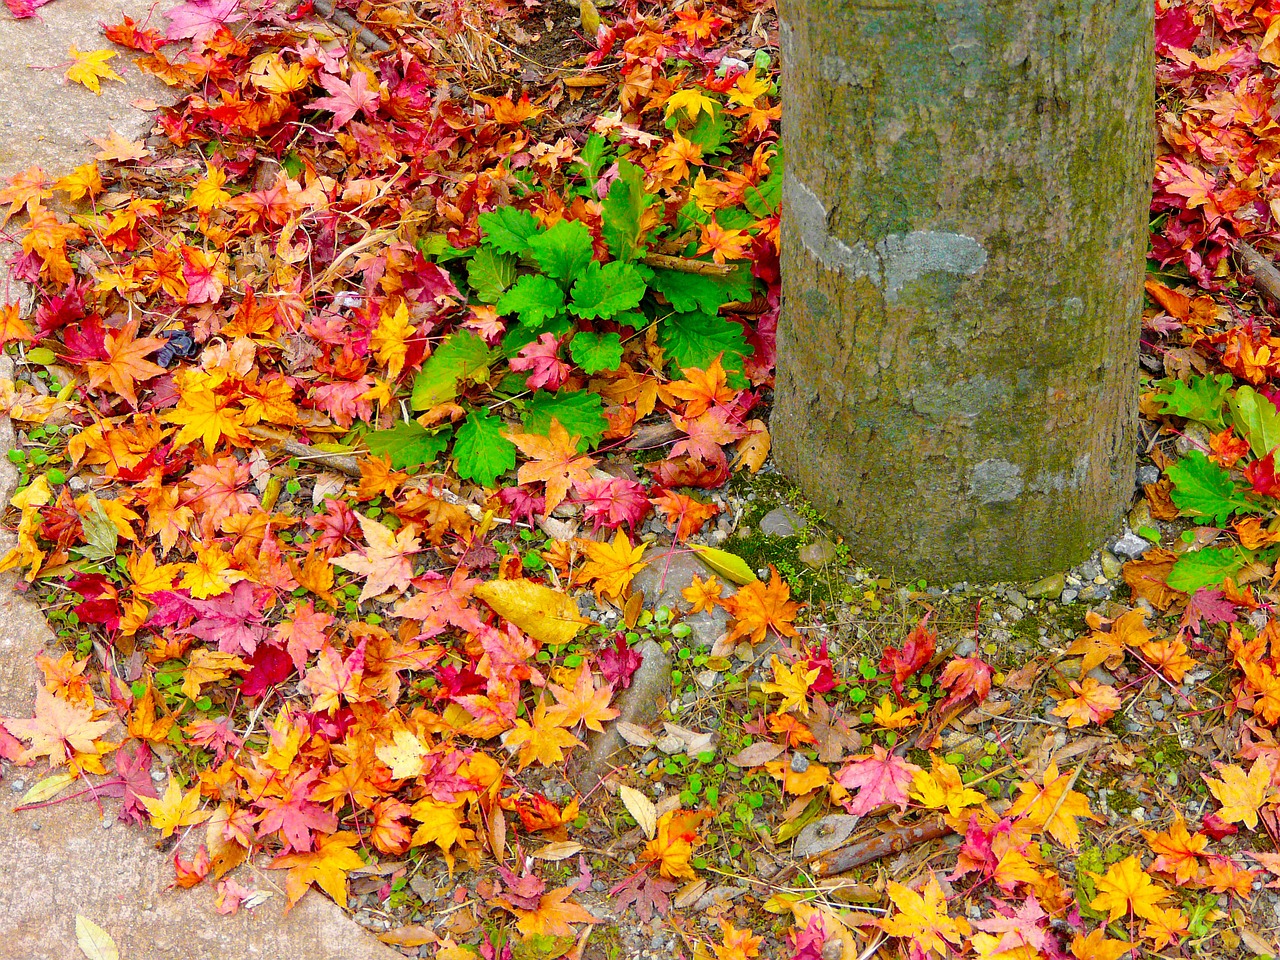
[(60, 861)]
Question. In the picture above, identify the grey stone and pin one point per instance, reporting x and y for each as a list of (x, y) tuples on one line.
[(1111, 565), (782, 522), (1140, 516), (1016, 598), (1089, 569), (1069, 595), (1148, 473), (1050, 586), (817, 554), (640, 703), (1131, 545), (966, 647), (708, 626), (799, 763), (667, 574)]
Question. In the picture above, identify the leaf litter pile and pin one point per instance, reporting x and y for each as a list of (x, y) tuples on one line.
[(356, 404)]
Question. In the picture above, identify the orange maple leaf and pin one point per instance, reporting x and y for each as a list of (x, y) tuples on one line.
[(554, 460), (1093, 702), (542, 740), (26, 189), (758, 608), (702, 389), (125, 364), (554, 913), (1177, 850), (59, 730), (326, 866), (583, 703)]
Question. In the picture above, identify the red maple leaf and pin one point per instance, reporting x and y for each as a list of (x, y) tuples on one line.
[(289, 810), (612, 501), (964, 676), (911, 659)]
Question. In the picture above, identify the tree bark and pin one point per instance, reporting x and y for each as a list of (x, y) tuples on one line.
[(964, 230)]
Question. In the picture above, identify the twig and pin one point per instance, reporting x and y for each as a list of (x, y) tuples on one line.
[(1263, 271)]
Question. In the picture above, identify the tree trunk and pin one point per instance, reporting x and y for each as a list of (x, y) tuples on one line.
[(964, 230)]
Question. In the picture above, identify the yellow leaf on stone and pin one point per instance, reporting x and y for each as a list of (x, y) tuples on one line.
[(95, 943), (729, 565), (547, 615), (90, 68)]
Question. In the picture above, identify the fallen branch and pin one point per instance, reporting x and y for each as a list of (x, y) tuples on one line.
[(334, 461), (685, 265), (887, 842), (883, 844), (345, 21), (1263, 271)]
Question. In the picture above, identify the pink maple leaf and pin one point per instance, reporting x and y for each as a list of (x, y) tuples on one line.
[(24, 8), (288, 809), (1207, 604), (619, 662), (541, 359), (879, 779), (200, 19), (705, 435), (347, 99), (132, 780), (613, 501), (304, 634), (233, 620), (1020, 926)]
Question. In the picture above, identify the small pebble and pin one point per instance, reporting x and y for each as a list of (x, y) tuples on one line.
[(1069, 595), (1148, 473), (799, 763), (18, 786)]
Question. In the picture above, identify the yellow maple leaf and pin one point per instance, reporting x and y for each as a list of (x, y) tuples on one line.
[(691, 99), (83, 181), (1097, 946), (211, 574), (388, 340), (443, 824), (175, 809), (326, 866), (207, 666), (386, 562), (921, 918), (1053, 807), (547, 615), (1126, 888), (206, 416), (1241, 795), (885, 716), (611, 565), (553, 915), (90, 68), (942, 787), (404, 755), (793, 683), (541, 740), (149, 577)]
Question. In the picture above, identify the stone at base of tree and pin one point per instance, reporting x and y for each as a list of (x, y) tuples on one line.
[(641, 703), (817, 554), (782, 522), (1050, 586), (1131, 545)]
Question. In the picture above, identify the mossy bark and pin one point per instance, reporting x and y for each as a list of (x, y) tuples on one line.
[(963, 237)]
